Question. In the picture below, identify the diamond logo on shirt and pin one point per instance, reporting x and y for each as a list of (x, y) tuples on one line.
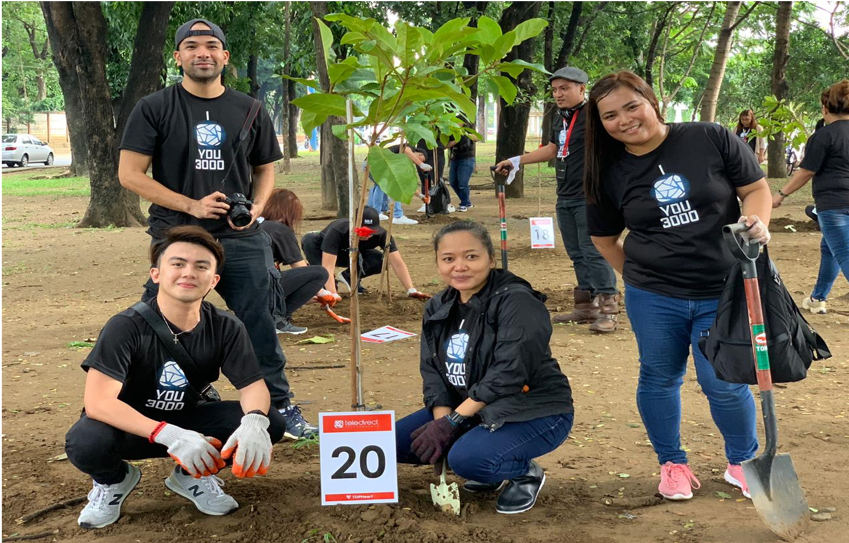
[(209, 134), (671, 188), (455, 349), (172, 376)]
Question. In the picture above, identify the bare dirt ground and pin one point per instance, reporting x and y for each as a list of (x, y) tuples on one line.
[(61, 284)]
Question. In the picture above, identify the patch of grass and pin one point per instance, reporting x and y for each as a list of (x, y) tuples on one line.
[(14, 269), (23, 184), (315, 535), (77, 345), (306, 442), (34, 225)]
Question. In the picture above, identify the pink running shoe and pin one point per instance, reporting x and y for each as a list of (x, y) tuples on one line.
[(734, 475), (677, 481)]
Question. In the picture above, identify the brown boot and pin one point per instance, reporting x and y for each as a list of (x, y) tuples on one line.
[(586, 309), (609, 313)]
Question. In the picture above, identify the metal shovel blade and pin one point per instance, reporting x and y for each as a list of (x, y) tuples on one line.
[(445, 496), (777, 494)]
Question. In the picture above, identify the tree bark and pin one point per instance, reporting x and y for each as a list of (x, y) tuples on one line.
[(252, 76), (294, 114), (480, 125), (513, 120), (720, 60), (659, 28), (287, 144), (775, 159)]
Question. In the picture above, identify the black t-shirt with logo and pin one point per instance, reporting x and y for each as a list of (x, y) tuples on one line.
[(569, 164), (336, 240), (454, 345), (192, 141), (827, 155), (129, 351), (674, 202), (284, 242)]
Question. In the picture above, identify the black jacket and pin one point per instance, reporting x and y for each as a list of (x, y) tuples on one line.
[(509, 350)]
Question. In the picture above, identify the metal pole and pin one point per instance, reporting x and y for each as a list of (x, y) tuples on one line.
[(353, 257)]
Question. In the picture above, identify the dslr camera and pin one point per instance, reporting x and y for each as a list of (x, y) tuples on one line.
[(240, 209)]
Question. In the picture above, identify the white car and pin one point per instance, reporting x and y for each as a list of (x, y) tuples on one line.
[(21, 149)]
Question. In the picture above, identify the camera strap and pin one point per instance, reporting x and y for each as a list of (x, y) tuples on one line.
[(243, 134), (174, 348)]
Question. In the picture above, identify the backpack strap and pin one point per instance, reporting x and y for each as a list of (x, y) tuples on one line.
[(174, 348)]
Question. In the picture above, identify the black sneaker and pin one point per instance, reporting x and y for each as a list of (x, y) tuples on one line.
[(285, 326), (297, 426)]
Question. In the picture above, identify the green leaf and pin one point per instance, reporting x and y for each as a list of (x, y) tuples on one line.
[(352, 38), (306, 82), (723, 495), (488, 30), (409, 43), (342, 70), (394, 173), (529, 29), (386, 42), (506, 88), (531, 66), (446, 32), (329, 338), (414, 132), (503, 45), (326, 41), (311, 119), (324, 103), (340, 131)]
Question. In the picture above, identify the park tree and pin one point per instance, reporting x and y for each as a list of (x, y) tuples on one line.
[(78, 32), (775, 150)]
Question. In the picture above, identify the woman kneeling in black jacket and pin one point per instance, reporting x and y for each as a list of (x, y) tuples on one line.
[(494, 397)]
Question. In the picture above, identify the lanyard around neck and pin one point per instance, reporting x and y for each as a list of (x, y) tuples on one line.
[(564, 151)]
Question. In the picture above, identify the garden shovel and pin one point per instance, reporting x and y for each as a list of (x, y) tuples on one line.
[(771, 477), (445, 496), (502, 215)]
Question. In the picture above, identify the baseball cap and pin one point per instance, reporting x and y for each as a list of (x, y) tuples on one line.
[(186, 31), (371, 218), (571, 73)]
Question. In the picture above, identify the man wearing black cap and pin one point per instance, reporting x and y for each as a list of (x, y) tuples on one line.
[(596, 297), (330, 247), (210, 145)]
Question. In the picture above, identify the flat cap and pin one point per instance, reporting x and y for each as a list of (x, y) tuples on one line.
[(571, 73)]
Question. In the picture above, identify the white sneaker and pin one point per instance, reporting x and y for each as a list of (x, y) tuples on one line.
[(383, 216), (104, 501), (451, 209), (817, 307), (403, 219), (204, 492), (422, 209)]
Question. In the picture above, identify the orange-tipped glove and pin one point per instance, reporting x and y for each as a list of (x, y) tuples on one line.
[(415, 293), (252, 446), (325, 297), (196, 453)]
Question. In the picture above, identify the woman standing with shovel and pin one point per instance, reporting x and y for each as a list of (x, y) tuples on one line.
[(673, 186), (494, 397)]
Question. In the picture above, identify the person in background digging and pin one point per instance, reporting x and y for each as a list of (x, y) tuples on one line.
[(292, 288), (494, 397), (827, 158), (140, 403), (596, 297), (330, 248), (674, 186)]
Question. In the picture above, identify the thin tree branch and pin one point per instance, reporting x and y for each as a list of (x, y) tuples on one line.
[(743, 17)]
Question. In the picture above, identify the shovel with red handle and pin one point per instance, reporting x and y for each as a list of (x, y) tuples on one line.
[(771, 477), (502, 214)]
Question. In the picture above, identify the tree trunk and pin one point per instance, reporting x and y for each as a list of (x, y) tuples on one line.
[(58, 18), (481, 124), (287, 144), (294, 115), (775, 161), (513, 120), (658, 28), (254, 80), (720, 60), (40, 85)]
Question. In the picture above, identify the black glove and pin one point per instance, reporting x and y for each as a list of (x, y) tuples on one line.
[(432, 441)]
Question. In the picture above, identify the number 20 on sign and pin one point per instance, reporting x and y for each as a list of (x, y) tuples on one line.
[(357, 453)]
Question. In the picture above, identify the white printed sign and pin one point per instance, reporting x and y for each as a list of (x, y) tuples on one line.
[(385, 335), (357, 454), (542, 233)]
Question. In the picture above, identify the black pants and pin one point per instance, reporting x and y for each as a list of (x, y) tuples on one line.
[(99, 450), (245, 287), (370, 260), (291, 289)]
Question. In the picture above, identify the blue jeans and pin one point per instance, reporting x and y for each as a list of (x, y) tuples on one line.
[(666, 327), (834, 250), (489, 457), (593, 272), (458, 177), (245, 286), (380, 201)]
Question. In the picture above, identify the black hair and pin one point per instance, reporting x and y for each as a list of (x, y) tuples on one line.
[(187, 234), (474, 228)]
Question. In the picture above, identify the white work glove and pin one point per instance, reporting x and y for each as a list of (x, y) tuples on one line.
[(514, 161), (757, 229), (196, 453), (252, 445), (425, 167), (414, 293)]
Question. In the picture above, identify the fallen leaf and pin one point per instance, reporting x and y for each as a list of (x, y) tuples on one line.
[(330, 338), (723, 495)]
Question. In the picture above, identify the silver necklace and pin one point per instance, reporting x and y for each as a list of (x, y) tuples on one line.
[(172, 331)]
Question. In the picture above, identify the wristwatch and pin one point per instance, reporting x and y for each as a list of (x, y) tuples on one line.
[(257, 412), (781, 193), (457, 420)]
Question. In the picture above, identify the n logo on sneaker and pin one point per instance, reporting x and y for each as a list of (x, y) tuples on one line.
[(195, 490), (116, 499)]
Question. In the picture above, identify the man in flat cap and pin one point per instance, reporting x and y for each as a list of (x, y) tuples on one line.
[(213, 151), (596, 297)]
